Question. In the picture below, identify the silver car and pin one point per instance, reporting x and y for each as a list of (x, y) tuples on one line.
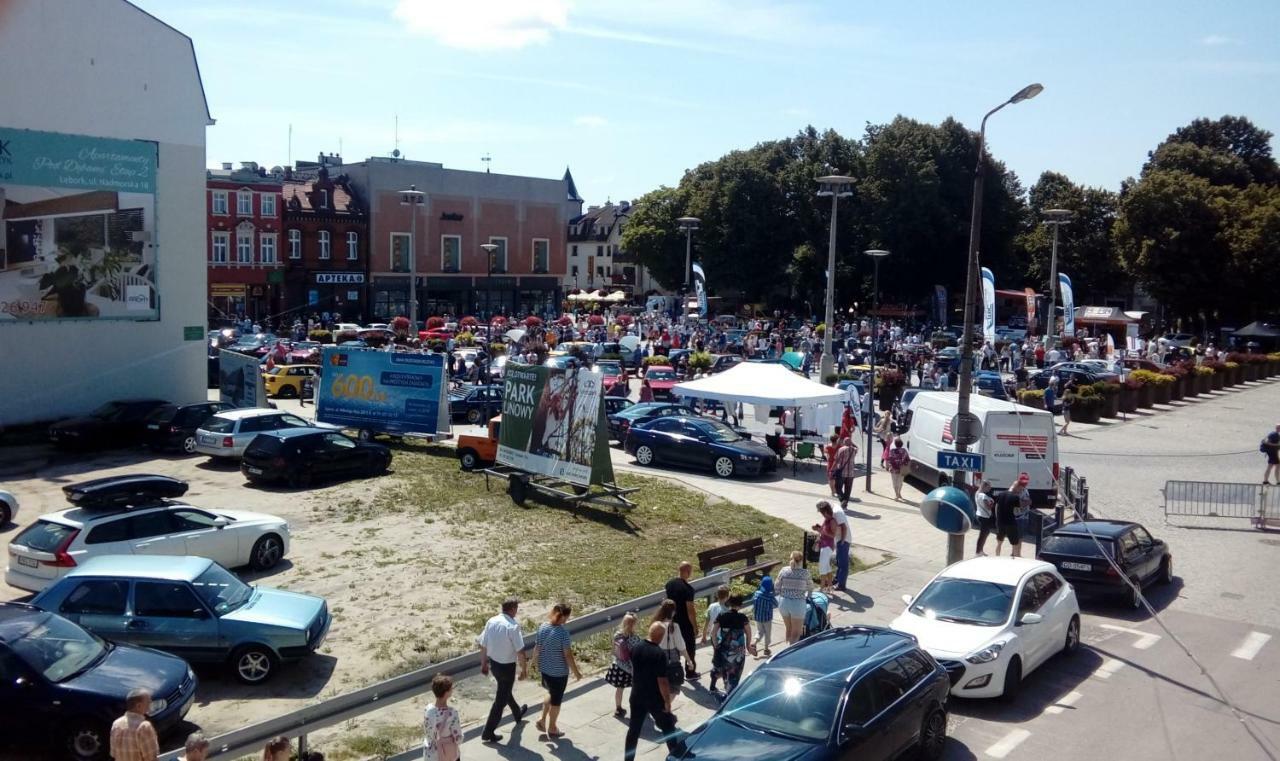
[(228, 433)]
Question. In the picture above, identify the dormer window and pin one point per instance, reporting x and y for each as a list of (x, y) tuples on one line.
[(324, 199)]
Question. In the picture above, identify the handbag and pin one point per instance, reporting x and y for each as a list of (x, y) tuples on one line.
[(675, 671)]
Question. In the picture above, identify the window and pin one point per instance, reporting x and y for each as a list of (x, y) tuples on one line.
[(268, 204), (863, 704), (166, 599), (244, 203), (574, 250), (295, 244), (244, 248), (221, 242), (1029, 600), (1047, 585), (99, 597), (353, 246), (599, 250), (113, 531), (600, 271), (268, 248), (666, 426), (451, 253), (149, 525), (399, 252), (192, 520), (337, 442), (324, 244), (257, 424), (498, 261), (575, 270), (323, 195), (916, 666), (541, 255), (1142, 536), (219, 202), (1128, 545)]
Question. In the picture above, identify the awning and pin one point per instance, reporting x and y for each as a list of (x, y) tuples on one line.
[(226, 290), (1102, 316), (760, 383), (1258, 330)]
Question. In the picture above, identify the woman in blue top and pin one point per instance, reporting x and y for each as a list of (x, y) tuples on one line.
[(553, 655)]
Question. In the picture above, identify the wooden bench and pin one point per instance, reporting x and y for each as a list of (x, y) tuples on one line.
[(749, 550)]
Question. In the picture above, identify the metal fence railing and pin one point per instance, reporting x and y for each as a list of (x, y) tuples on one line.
[(1260, 503), (1073, 495)]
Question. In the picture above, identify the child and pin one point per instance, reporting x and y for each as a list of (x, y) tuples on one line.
[(444, 728), (762, 604), (713, 612), (732, 636), (619, 673)]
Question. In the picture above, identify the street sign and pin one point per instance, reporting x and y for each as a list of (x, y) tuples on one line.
[(969, 461), (966, 428)]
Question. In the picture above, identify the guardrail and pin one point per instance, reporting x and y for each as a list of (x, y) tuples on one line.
[(329, 712), (1209, 499)]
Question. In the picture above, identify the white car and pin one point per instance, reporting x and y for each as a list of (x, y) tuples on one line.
[(990, 621), (226, 434), (57, 542), (8, 507)]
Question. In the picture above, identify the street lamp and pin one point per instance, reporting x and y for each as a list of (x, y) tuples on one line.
[(688, 224), (837, 186), (413, 197), (955, 542), (489, 248), (1057, 218), (876, 255)]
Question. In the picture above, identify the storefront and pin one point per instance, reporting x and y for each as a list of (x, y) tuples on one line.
[(226, 300), (338, 292)]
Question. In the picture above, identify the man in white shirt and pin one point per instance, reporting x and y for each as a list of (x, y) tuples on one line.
[(501, 648), (844, 535)]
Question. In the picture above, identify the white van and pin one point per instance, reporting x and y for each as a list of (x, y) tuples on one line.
[(1015, 439)]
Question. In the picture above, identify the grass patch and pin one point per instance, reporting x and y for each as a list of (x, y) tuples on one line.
[(380, 743)]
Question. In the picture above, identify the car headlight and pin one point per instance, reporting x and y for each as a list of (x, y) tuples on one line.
[(158, 706), (986, 654)]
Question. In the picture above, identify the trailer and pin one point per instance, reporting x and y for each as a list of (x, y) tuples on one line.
[(522, 484)]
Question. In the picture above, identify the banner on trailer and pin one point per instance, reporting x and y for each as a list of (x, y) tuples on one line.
[(240, 380), (700, 288), (387, 392), (1031, 312), (1068, 306), (988, 306), (553, 423), (940, 304)]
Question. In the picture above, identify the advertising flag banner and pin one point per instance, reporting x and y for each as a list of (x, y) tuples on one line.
[(988, 306), (387, 392), (1068, 306), (1031, 311), (940, 304), (240, 380), (553, 423), (700, 288)]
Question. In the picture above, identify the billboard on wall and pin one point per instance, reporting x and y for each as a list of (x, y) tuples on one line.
[(386, 392), (240, 380), (77, 227), (553, 423)]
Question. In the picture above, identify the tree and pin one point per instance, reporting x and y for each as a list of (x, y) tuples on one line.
[(1085, 250), (653, 236), (1233, 136)]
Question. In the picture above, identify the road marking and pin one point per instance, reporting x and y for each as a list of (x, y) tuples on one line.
[(1108, 667), (1251, 645), (1145, 639), (1066, 702), (1006, 744)]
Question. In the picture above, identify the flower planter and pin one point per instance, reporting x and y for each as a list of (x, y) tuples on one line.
[(1035, 402), (1218, 380), (1162, 393), (1146, 396), (1177, 388), (1111, 405), (1128, 399), (1251, 372), (1204, 383), (1089, 414)]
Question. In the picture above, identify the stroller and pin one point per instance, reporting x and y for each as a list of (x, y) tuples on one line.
[(815, 615)]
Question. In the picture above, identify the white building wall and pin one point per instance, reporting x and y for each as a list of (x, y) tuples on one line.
[(104, 68)]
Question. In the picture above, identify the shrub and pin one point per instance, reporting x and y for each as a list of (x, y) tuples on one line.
[(1147, 377), (435, 345), (611, 355), (820, 328), (1203, 371), (1215, 365), (699, 360), (345, 335), (401, 324), (1031, 397), (1105, 388), (497, 348), (657, 359), (465, 338), (1087, 400), (830, 380), (468, 322), (1232, 365), (322, 336), (1274, 356)]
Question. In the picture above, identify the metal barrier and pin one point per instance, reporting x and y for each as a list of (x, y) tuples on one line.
[(327, 713), (1074, 494), (1259, 503)]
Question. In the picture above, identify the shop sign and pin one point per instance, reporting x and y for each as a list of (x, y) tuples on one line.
[(339, 278)]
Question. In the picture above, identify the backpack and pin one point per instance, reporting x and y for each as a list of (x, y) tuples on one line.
[(1262, 447)]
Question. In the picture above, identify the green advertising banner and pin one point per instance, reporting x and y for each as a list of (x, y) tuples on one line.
[(553, 424)]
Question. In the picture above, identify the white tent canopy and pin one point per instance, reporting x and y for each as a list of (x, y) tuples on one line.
[(761, 383)]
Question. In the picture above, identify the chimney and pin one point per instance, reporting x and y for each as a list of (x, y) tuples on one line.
[(592, 208), (226, 166)]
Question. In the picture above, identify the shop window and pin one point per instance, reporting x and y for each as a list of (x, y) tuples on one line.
[(541, 255), (451, 253), (325, 247), (219, 202), (221, 242)]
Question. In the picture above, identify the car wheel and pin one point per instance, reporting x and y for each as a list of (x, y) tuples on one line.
[(189, 444), (724, 466), (1073, 636), (644, 455), (6, 513), (469, 459), (1012, 679), (287, 392), (473, 416), (267, 551), (933, 736), (87, 740), (364, 435), (1166, 569), (253, 664)]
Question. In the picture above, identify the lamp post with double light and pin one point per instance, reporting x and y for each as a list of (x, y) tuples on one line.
[(876, 255), (413, 198), (837, 186), (1057, 218)]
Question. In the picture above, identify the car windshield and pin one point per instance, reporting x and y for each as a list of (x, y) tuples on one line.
[(609, 368), (720, 432), (654, 375), (796, 704), (57, 648), (1079, 546), (220, 590), (965, 601)]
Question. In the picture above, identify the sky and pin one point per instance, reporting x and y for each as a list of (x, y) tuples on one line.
[(631, 94)]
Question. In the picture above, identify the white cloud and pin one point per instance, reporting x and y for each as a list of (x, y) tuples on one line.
[(590, 120), (484, 24), (1217, 40)]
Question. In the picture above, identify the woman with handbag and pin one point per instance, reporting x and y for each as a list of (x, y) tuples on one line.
[(673, 644), (443, 727)]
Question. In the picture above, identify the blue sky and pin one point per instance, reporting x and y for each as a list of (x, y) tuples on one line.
[(630, 94)]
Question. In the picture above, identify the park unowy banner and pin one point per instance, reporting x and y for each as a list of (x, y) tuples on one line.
[(383, 392), (988, 307), (553, 423), (1068, 306)]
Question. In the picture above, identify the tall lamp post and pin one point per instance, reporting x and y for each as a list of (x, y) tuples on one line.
[(837, 186), (489, 248), (955, 542), (876, 255), (413, 197), (1057, 218), (688, 225)]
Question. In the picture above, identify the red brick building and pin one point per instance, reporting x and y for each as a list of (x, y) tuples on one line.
[(325, 245), (245, 270)]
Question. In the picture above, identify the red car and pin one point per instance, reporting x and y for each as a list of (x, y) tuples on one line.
[(662, 378), (611, 369), (1134, 363), (304, 353)]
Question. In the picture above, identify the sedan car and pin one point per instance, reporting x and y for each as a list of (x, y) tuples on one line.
[(65, 684), (699, 443), (475, 404), (226, 434), (858, 692), (285, 381), (662, 378), (305, 352), (991, 620), (173, 426), (610, 369), (114, 424), (621, 421), (1083, 553), (299, 456)]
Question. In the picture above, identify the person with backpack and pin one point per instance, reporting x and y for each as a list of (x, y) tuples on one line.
[(619, 674), (442, 723), (1270, 447), (731, 634)]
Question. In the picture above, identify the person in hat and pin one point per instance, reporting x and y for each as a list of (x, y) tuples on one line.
[(1009, 505)]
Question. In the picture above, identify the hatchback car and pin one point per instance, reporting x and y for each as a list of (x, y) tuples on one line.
[(114, 424), (227, 434), (992, 620), (299, 456), (173, 426), (856, 692), (1082, 552), (699, 442), (64, 683), (285, 381), (193, 608)]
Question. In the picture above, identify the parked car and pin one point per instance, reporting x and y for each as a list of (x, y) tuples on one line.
[(191, 607), (1086, 563), (722, 362), (146, 523), (990, 383), (299, 456), (990, 621), (114, 424), (479, 451), (858, 692), (1101, 373), (66, 684), (662, 378), (1136, 363), (615, 404), (254, 345), (173, 426), (8, 507), (226, 434), (285, 381), (636, 414), (305, 352), (1081, 376), (700, 443), (610, 370), (475, 404)]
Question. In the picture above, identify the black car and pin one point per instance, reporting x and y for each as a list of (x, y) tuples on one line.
[(114, 424), (699, 442), (475, 404), (1082, 378), (1082, 561), (636, 414), (173, 426), (299, 456), (858, 692), (615, 404), (61, 687)]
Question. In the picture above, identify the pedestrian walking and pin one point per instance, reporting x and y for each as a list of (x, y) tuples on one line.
[(1068, 399), (442, 724), (897, 461), (713, 610), (844, 536), (673, 645), (553, 656), (196, 748), (826, 531), (278, 749), (731, 634), (1010, 505), (651, 694), (1271, 448), (763, 603), (985, 507), (646, 391), (846, 465), (620, 674), (132, 736), (501, 649), (680, 591), (794, 584)]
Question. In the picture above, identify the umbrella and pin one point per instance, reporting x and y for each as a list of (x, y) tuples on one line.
[(616, 296), (515, 334), (630, 343)]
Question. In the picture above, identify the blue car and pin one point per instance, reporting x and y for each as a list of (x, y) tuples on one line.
[(191, 607), (697, 442), (61, 686)]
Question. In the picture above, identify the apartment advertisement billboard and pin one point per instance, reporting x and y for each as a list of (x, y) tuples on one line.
[(386, 392), (553, 423)]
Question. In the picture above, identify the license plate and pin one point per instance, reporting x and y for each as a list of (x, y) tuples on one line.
[(254, 471), (1077, 566), (28, 562), (153, 426)]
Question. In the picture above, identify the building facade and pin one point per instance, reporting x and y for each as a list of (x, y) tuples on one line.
[(597, 260), (325, 244), (246, 274)]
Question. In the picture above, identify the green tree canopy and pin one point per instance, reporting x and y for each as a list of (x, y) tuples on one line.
[(1085, 249)]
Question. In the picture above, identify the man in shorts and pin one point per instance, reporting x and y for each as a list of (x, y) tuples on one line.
[(1271, 448), (1009, 505)]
